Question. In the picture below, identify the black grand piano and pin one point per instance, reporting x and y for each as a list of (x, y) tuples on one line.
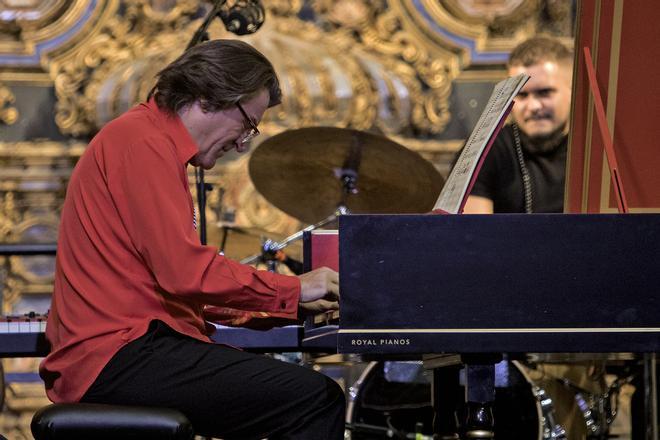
[(468, 289), (501, 283)]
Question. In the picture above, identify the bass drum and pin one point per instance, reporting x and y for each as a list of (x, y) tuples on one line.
[(396, 397)]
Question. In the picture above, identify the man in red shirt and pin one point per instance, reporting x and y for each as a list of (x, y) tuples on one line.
[(126, 323)]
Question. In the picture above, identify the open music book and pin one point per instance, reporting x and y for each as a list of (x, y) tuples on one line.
[(462, 177)]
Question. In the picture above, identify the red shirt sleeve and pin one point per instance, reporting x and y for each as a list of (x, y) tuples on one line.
[(150, 191)]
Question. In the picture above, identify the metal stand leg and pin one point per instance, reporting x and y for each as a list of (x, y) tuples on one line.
[(651, 396)]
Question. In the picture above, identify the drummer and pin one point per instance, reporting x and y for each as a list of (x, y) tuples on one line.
[(126, 323), (525, 172), (526, 167)]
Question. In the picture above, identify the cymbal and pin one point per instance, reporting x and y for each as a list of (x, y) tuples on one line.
[(300, 172)]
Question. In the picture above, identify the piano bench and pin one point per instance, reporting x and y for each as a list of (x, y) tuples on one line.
[(73, 421)]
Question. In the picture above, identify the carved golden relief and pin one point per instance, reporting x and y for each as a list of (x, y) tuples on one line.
[(493, 26), (323, 83), (126, 34), (330, 77), (31, 30), (235, 202), (366, 64), (498, 16), (506, 18), (361, 64), (376, 28), (34, 176), (362, 70), (22, 400), (8, 114)]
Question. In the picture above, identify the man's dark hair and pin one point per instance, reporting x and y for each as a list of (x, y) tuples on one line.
[(218, 73), (539, 49)]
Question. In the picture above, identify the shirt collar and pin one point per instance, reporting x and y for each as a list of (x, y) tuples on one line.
[(172, 125)]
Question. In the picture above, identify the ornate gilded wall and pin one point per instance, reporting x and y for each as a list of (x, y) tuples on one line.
[(418, 71)]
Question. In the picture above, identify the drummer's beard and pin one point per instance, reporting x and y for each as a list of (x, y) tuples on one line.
[(546, 143)]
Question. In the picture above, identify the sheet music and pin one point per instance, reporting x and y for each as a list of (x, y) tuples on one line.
[(454, 192)]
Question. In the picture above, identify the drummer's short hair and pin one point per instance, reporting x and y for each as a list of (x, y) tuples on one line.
[(539, 49), (218, 74)]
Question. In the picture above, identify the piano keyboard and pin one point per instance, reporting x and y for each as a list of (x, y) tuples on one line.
[(23, 336), (30, 323)]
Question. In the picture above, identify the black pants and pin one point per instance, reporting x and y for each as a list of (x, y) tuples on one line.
[(224, 392)]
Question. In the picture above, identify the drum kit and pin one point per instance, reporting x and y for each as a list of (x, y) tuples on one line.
[(392, 399), (320, 173)]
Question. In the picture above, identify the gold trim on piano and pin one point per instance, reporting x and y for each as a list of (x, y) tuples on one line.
[(506, 330)]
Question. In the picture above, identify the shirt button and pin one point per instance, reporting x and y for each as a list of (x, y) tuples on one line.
[(283, 305)]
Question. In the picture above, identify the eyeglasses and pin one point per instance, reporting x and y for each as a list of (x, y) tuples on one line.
[(254, 131)]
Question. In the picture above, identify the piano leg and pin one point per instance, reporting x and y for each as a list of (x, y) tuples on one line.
[(479, 397), (446, 395), (480, 394)]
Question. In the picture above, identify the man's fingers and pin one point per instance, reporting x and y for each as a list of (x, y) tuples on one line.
[(333, 291), (319, 283), (318, 306), (332, 284), (328, 305), (333, 277)]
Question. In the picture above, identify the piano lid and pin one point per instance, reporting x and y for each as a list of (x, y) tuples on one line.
[(499, 283)]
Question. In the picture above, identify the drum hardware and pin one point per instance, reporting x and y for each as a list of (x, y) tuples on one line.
[(591, 407), (597, 408), (270, 248), (238, 241), (341, 171), (383, 432), (551, 429), (612, 397), (522, 408), (226, 217)]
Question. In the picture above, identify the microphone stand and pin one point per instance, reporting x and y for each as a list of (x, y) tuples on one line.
[(200, 36)]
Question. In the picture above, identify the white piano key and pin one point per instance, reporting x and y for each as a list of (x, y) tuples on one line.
[(13, 327)]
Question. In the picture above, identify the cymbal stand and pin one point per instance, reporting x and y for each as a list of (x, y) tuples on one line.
[(269, 247), (348, 173), (348, 176)]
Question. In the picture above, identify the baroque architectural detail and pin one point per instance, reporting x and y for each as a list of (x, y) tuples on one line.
[(30, 29), (370, 65), (21, 399), (506, 18), (8, 113), (34, 176), (377, 29), (127, 34), (383, 79), (359, 64), (381, 65)]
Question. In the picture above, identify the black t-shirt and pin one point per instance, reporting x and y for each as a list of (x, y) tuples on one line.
[(500, 178)]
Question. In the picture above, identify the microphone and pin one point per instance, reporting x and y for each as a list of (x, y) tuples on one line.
[(244, 17)]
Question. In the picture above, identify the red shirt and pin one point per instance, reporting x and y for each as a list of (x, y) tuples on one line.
[(129, 253)]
